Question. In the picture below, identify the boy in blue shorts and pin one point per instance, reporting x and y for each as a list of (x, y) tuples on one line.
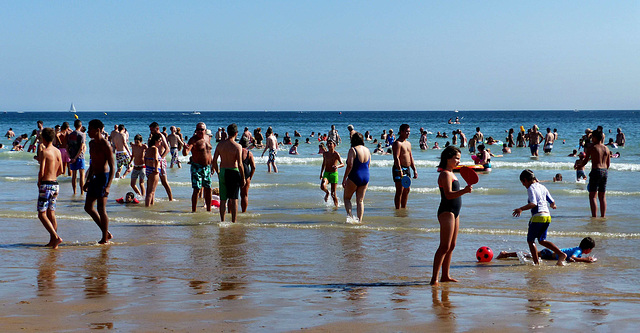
[(538, 196), (574, 254)]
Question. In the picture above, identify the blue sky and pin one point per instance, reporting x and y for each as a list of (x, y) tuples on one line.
[(322, 55)]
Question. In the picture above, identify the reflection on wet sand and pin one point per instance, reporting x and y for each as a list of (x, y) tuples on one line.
[(443, 307), (97, 270), (353, 257), (232, 255), (47, 268)]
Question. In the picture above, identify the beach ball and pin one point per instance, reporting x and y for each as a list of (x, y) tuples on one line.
[(215, 203), (484, 254)]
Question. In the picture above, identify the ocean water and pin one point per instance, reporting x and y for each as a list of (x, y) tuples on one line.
[(291, 242)]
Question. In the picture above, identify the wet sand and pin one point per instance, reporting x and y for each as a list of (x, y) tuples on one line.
[(243, 278)]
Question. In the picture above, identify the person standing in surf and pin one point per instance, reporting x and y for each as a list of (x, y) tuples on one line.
[(164, 150), (356, 175), (100, 175), (75, 148), (272, 146), (448, 213), (402, 161), (200, 147), (534, 140), (230, 172), (600, 157)]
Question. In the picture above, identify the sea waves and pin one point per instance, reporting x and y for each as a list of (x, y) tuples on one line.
[(610, 193)]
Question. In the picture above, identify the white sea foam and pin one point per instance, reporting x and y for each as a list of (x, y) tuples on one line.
[(610, 193), (20, 179)]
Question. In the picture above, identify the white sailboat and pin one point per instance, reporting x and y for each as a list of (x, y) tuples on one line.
[(72, 108)]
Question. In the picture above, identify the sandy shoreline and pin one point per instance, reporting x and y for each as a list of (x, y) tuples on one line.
[(410, 309), (246, 279)]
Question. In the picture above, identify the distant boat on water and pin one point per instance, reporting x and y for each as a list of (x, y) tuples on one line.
[(195, 113), (72, 108)]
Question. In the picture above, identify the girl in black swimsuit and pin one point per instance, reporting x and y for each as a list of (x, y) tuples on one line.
[(448, 213)]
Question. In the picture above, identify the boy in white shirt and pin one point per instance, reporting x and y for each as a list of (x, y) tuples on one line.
[(538, 196)]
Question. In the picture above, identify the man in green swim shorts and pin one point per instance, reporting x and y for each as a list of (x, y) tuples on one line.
[(331, 161), (230, 173), (200, 147)]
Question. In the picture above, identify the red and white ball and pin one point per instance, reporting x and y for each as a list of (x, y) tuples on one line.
[(484, 254)]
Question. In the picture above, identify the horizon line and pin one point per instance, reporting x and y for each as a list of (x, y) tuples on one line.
[(432, 110)]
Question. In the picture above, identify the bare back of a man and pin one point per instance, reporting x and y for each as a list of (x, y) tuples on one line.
[(599, 156), (230, 173)]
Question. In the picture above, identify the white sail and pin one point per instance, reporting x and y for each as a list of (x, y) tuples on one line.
[(72, 108)]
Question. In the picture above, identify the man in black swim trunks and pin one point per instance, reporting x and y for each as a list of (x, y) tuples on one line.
[(230, 172), (100, 175)]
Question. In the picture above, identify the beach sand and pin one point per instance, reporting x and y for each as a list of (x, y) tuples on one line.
[(243, 278)]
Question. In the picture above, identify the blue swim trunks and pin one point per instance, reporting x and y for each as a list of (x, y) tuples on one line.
[(534, 148), (538, 226), (77, 165)]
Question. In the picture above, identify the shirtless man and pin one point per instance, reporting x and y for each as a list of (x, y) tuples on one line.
[(76, 147), (272, 146), (549, 138), (100, 175), (402, 161), (333, 135), (10, 134), (479, 137), (331, 161), (50, 168), (600, 157), (111, 135), (137, 156), (123, 153), (175, 142), (164, 150), (463, 139), (620, 139), (351, 130), (424, 142), (200, 147), (231, 172), (534, 140), (247, 138), (62, 145)]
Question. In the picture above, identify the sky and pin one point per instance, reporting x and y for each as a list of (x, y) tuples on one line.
[(319, 55)]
